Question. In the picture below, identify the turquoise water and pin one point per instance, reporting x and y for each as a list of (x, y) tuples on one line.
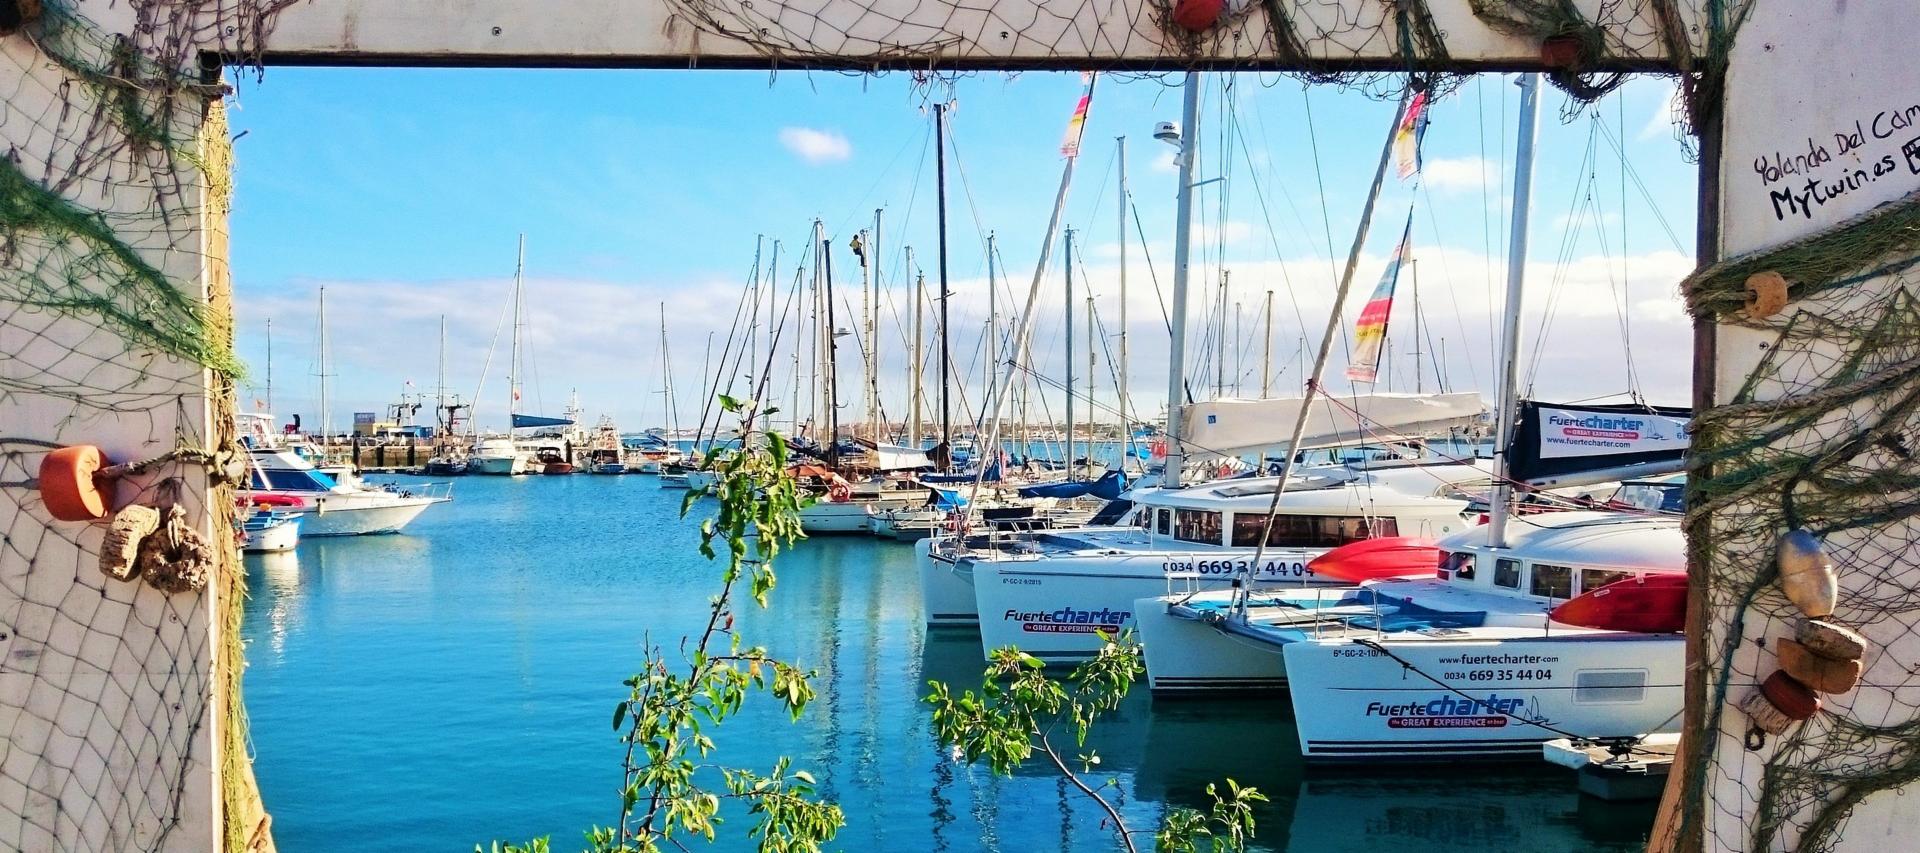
[(431, 690)]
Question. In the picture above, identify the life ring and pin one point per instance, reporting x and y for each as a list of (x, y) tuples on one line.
[(1225, 471), (67, 484), (275, 500), (839, 492)]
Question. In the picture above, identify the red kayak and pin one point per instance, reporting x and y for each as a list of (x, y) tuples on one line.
[(273, 499), (1650, 604), (1374, 559)]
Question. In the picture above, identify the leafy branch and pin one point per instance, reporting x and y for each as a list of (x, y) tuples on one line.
[(672, 705), (1018, 709)]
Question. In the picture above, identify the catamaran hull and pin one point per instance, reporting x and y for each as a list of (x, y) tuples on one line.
[(1064, 609), (1445, 701), (1191, 657), (946, 590), (362, 518)]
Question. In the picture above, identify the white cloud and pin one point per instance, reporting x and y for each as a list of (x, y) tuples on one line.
[(1444, 174), (816, 146), (1661, 122)]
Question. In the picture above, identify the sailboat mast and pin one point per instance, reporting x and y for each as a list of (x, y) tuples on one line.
[(326, 404), (940, 194), (1510, 325), (1266, 352), (668, 406), (269, 364), (442, 390), (993, 332), (1126, 410), (917, 362), (1220, 340), (873, 338), (1419, 385), (831, 345), (1182, 226), (1068, 317), (513, 362), (1090, 372)]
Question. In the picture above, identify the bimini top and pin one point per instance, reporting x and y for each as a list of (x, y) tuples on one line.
[(1615, 540)]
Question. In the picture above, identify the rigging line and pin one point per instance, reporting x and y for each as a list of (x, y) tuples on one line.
[(1320, 178), (1272, 236), (966, 189), (1260, 119), (739, 309), (1646, 195), (884, 171), (1622, 293), (1147, 252)]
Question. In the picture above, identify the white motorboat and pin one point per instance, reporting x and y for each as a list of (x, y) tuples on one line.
[(498, 456), (1059, 595), (268, 531), (327, 508), (846, 507), (1472, 664)]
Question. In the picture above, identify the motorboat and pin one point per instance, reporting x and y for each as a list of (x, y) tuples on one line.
[(265, 531), (497, 455), (1059, 595), (844, 506), (325, 507)]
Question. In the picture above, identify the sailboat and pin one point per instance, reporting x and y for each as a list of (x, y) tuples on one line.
[(673, 470), (497, 454), (449, 458)]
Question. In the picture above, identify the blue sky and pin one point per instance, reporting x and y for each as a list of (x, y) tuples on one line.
[(403, 191)]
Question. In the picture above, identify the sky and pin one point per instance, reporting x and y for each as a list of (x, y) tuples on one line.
[(643, 197)]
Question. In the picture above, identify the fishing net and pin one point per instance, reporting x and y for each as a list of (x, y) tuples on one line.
[(1822, 435), (1369, 46), (115, 695)]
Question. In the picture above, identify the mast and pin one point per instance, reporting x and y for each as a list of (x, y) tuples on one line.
[(1090, 371), (1419, 387), (326, 405), (993, 334), (1126, 411), (873, 338), (1069, 384), (1510, 325), (1182, 225), (442, 390), (940, 195), (831, 343), (513, 362), (1266, 352), (916, 364), (670, 406)]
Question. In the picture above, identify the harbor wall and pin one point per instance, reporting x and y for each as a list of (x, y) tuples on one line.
[(1818, 171)]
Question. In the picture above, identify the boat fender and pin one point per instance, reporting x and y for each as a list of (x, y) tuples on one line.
[(1780, 702), (1831, 640), (839, 492), (1823, 674), (70, 485), (176, 558), (1806, 574), (120, 548), (1198, 15), (1766, 294)]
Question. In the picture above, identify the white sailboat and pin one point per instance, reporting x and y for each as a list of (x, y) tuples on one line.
[(499, 455)]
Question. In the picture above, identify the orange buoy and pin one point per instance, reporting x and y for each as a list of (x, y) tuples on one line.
[(1198, 15), (1823, 674), (67, 484)]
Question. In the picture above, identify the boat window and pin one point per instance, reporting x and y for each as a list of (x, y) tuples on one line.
[(290, 480), (1166, 521), (1605, 686), (1552, 581), (1459, 563), (1197, 525), (1310, 531), (1592, 579), (1506, 573)]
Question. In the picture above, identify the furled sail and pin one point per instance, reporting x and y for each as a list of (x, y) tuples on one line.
[(1234, 427)]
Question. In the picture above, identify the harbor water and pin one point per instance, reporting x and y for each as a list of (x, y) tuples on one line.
[(456, 683)]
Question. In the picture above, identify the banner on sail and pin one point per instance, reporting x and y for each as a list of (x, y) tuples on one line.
[(1557, 440), (1370, 332), (1070, 146), (1406, 138)]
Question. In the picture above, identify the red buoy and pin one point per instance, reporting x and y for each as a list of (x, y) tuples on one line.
[(1386, 557), (1653, 604), (1794, 699), (67, 484), (1198, 15)]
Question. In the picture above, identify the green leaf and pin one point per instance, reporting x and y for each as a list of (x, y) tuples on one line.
[(619, 715)]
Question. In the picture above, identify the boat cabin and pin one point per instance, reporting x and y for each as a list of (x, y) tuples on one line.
[(1554, 557)]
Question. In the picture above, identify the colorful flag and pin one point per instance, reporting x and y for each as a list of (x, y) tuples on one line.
[(1370, 333), (1406, 140), (1070, 146)]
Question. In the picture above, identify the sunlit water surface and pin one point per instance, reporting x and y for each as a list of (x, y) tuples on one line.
[(455, 684)]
